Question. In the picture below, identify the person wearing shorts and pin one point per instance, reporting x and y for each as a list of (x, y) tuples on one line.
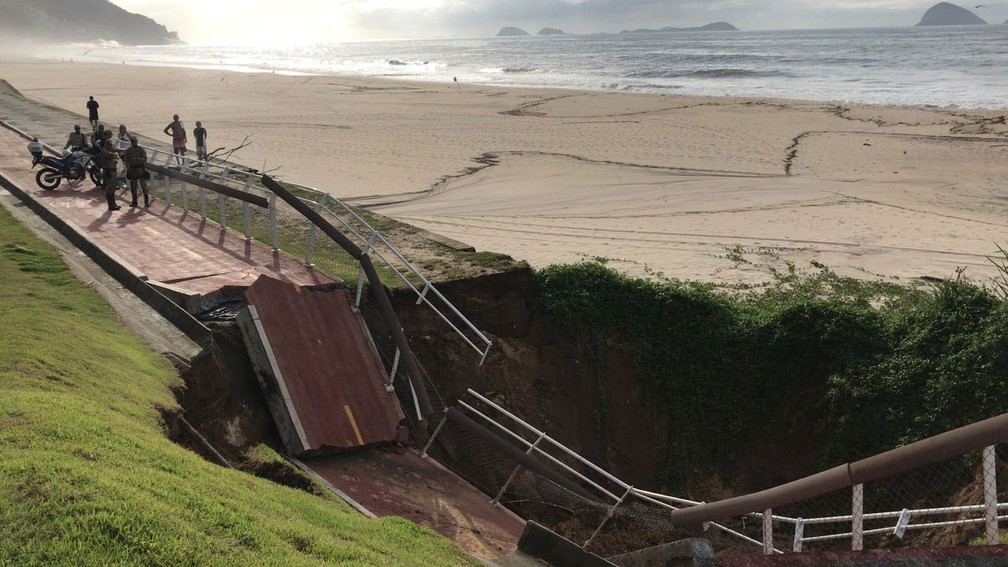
[(200, 134), (92, 108), (176, 130)]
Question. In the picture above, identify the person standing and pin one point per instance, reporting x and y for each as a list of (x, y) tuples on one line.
[(136, 170), (109, 161), (76, 139), (98, 137), (123, 138), (95, 149), (200, 134), (176, 130), (92, 107)]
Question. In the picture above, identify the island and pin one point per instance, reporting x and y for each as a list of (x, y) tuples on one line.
[(510, 31), (716, 26), (946, 14), (550, 31)]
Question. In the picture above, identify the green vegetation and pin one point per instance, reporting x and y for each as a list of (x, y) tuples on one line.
[(88, 477), (877, 363)]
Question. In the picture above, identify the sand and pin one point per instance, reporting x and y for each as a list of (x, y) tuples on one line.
[(712, 189)]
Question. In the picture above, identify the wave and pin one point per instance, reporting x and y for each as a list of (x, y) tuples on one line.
[(508, 70), (723, 73), (96, 44), (401, 63)]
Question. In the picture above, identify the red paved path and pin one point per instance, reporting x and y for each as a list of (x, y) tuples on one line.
[(160, 242), (391, 483)]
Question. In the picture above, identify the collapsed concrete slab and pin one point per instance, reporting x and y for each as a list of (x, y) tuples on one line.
[(318, 367)]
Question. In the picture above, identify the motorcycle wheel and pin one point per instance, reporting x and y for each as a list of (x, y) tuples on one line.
[(95, 175), (48, 179)]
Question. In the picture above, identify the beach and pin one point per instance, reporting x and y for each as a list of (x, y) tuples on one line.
[(715, 189)]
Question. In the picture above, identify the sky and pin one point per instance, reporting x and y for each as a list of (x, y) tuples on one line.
[(306, 21)]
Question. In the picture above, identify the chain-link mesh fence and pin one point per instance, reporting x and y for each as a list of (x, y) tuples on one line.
[(288, 231), (949, 503)]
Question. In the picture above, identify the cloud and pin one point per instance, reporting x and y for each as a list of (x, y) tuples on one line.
[(484, 17), (267, 21)]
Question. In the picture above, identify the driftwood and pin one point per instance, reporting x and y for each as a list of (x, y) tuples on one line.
[(224, 154)]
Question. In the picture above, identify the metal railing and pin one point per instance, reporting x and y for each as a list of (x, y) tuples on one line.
[(287, 231), (372, 241), (987, 513), (617, 495), (943, 489)]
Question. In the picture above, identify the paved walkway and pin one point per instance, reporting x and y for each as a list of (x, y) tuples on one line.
[(162, 242), (400, 483)]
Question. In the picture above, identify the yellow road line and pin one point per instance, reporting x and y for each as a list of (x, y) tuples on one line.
[(353, 422)]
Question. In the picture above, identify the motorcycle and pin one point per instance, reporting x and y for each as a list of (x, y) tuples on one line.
[(74, 166)]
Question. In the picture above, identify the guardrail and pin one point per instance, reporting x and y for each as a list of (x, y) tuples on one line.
[(282, 231), (372, 241), (623, 490), (933, 477)]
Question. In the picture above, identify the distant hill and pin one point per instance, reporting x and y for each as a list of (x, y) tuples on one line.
[(511, 32), (550, 31), (80, 20), (716, 26), (945, 14)]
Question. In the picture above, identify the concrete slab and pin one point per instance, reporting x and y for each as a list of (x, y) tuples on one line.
[(390, 482), (322, 376), (540, 546)]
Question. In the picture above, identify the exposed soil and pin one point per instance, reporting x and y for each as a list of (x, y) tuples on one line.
[(222, 402), (587, 395), (546, 374)]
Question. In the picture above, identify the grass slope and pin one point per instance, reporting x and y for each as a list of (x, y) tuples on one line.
[(87, 477)]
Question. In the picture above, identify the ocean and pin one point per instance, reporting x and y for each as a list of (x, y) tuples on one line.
[(946, 67)]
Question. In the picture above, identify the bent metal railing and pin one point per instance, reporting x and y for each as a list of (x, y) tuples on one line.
[(938, 488), (372, 241), (299, 238), (617, 494)]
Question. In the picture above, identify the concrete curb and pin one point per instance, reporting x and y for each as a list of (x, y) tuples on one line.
[(545, 545), (126, 275), (187, 300)]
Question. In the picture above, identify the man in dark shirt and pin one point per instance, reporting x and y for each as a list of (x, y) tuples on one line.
[(92, 107), (200, 134), (98, 136)]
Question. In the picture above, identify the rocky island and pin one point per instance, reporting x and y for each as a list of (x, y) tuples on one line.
[(716, 26), (550, 31), (946, 14), (511, 31)]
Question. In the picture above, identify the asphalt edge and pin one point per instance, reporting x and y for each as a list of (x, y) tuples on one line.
[(112, 264)]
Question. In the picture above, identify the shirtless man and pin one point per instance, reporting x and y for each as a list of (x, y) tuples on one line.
[(176, 130)]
